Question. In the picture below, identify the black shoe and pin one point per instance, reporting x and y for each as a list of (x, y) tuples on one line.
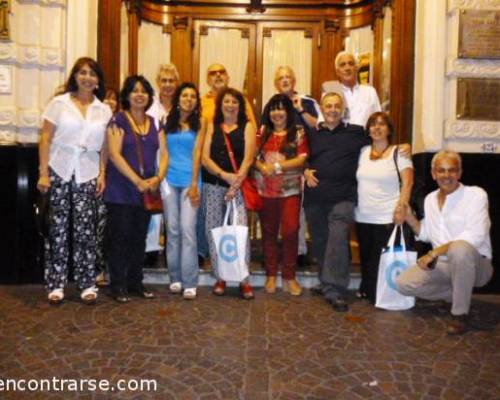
[(317, 290), (121, 296), (141, 291), (339, 304), (458, 325)]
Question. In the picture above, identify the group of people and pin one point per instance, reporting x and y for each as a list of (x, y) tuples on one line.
[(329, 164)]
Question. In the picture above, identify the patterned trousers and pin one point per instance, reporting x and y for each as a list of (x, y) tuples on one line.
[(73, 218), (215, 208)]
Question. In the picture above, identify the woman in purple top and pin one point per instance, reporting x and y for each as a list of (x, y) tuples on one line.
[(127, 219)]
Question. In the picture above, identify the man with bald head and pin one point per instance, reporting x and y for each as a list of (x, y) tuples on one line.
[(361, 100), (457, 224)]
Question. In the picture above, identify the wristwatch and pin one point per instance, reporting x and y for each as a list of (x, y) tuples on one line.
[(277, 168)]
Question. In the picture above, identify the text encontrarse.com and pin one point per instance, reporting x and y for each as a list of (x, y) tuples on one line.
[(77, 385)]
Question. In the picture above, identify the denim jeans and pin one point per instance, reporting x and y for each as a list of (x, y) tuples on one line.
[(182, 252)]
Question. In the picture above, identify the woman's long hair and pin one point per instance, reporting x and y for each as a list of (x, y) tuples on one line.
[(173, 120), (219, 116), (281, 102), (71, 84)]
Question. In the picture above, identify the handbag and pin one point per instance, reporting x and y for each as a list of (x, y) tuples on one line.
[(418, 192), (231, 246), (393, 261), (251, 196), (151, 200)]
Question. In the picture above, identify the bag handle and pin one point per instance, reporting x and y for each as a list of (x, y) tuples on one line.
[(392, 238), (231, 204)]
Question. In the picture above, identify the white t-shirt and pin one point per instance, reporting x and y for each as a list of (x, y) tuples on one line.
[(378, 186), (77, 140)]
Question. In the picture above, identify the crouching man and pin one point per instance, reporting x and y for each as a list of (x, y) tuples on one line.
[(457, 225)]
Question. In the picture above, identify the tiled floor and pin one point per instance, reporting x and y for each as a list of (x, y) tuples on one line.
[(275, 347)]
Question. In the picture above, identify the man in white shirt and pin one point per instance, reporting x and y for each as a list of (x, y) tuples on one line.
[(457, 225), (361, 100)]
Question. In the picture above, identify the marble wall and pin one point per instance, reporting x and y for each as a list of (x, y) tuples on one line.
[(437, 69), (47, 36)]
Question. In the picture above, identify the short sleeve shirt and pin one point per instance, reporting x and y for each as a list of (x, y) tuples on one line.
[(77, 139), (289, 183)]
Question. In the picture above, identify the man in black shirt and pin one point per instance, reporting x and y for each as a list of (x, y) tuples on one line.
[(331, 194)]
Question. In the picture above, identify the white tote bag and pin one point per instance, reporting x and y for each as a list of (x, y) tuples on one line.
[(393, 261), (230, 243)]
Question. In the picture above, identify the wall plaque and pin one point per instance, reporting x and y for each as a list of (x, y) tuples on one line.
[(479, 34), (477, 99)]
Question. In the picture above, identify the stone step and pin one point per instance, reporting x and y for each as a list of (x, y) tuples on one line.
[(307, 279)]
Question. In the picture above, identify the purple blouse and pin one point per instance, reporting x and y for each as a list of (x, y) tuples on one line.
[(119, 189)]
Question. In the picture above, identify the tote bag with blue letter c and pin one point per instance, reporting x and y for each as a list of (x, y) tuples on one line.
[(231, 246), (393, 261)]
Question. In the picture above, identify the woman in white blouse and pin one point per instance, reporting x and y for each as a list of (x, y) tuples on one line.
[(382, 199), (72, 170)]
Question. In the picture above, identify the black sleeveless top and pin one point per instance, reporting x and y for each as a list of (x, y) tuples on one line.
[(220, 155)]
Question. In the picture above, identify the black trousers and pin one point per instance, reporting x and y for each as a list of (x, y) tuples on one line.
[(372, 239), (127, 228)]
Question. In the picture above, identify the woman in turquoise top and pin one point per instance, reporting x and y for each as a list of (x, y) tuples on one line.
[(181, 189)]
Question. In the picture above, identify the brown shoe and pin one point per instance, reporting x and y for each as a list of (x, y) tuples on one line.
[(458, 325), (219, 288), (292, 286), (246, 291), (270, 286)]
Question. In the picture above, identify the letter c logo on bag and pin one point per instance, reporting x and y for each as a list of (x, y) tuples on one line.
[(392, 272), (228, 249)]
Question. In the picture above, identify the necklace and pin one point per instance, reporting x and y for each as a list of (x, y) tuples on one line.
[(377, 155), (139, 129)]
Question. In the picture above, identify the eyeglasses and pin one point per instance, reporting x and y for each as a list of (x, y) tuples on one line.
[(217, 71)]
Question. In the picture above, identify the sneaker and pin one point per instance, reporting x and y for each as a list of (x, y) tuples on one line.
[(189, 294), (175, 287)]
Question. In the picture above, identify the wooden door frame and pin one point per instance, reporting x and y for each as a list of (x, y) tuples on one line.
[(337, 17), (195, 72), (315, 28)]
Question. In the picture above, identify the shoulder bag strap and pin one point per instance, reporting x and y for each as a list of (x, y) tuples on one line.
[(138, 145), (229, 150), (395, 158)]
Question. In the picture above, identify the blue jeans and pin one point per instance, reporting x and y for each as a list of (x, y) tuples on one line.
[(182, 252)]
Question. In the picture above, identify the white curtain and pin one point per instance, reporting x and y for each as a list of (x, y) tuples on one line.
[(154, 49), (123, 44), (360, 43), (226, 47), (291, 48)]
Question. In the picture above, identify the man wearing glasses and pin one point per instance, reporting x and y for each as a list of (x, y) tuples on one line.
[(218, 79)]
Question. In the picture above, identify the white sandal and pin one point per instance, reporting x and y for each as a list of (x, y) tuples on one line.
[(89, 295), (56, 296)]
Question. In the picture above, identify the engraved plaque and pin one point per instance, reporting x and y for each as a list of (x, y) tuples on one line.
[(478, 99), (479, 34)]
